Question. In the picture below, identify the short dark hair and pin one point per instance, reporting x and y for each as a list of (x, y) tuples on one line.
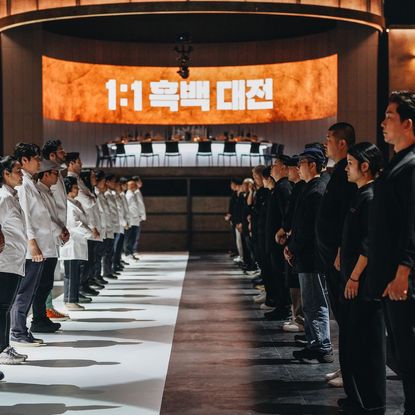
[(123, 180), (26, 150), (136, 178), (6, 164), (99, 174), (110, 176), (73, 156), (266, 173), (369, 153), (344, 131), (51, 146), (86, 178), (405, 105), (69, 182), (258, 169)]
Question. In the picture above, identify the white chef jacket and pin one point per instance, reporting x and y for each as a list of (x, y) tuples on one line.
[(89, 203), (13, 226), (125, 207), (50, 203), (133, 208), (59, 194), (122, 214), (112, 203), (141, 205), (37, 217), (105, 216), (77, 224)]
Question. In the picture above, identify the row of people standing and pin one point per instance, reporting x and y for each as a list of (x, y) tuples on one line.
[(87, 219), (347, 241)]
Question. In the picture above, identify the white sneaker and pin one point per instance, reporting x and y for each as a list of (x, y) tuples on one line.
[(259, 299), (293, 327), (74, 307), (333, 375), (9, 356), (336, 382), (266, 307), (237, 259), (255, 272)]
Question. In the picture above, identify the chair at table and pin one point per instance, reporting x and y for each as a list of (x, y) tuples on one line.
[(172, 150), (253, 153), (204, 150), (148, 153), (122, 156), (104, 154), (229, 150)]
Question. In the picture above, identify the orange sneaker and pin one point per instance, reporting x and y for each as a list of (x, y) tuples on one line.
[(55, 315)]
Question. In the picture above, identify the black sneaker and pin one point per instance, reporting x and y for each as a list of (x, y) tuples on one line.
[(96, 285), (100, 280), (44, 327), (111, 277), (278, 314), (314, 355), (88, 291), (83, 299), (1, 375), (300, 339)]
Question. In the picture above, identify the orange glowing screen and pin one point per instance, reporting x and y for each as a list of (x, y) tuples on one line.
[(294, 91)]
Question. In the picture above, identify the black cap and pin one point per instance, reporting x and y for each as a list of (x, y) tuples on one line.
[(313, 154), (284, 159), (293, 161)]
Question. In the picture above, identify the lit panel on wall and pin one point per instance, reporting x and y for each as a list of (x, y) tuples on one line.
[(93, 93)]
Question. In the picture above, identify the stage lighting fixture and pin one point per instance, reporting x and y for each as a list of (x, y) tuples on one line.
[(183, 48)]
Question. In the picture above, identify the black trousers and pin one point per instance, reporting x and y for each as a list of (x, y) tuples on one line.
[(280, 292), (43, 289), (362, 353), (108, 253), (129, 239), (99, 254), (71, 280), (9, 284), (118, 245), (400, 323), (249, 256), (87, 268)]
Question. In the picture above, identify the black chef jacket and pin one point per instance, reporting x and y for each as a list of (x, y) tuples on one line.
[(276, 210), (297, 189), (302, 242), (392, 222), (355, 236), (257, 209), (333, 208)]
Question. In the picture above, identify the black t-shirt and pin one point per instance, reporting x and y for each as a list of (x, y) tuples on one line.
[(333, 208), (297, 189), (257, 208), (355, 236)]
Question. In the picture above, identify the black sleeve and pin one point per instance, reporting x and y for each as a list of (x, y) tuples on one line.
[(364, 228), (283, 201), (304, 235), (407, 237)]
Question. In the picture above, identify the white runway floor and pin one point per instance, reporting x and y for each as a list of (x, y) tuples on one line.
[(110, 359)]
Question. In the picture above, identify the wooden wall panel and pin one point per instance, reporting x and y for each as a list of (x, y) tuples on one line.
[(402, 59), (22, 92)]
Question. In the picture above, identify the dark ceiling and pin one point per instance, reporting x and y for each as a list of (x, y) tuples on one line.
[(202, 27)]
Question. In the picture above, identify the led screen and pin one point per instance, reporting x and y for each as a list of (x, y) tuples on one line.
[(93, 93)]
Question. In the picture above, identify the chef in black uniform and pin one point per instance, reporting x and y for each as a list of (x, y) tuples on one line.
[(362, 330), (392, 238), (333, 208), (277, 210)]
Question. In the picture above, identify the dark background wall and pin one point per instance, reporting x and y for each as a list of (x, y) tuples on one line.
[(22, 49)]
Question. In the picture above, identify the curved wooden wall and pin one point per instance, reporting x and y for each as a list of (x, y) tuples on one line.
[(21, 12)]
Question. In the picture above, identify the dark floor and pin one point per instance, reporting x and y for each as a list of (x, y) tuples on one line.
[(227, 360)]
